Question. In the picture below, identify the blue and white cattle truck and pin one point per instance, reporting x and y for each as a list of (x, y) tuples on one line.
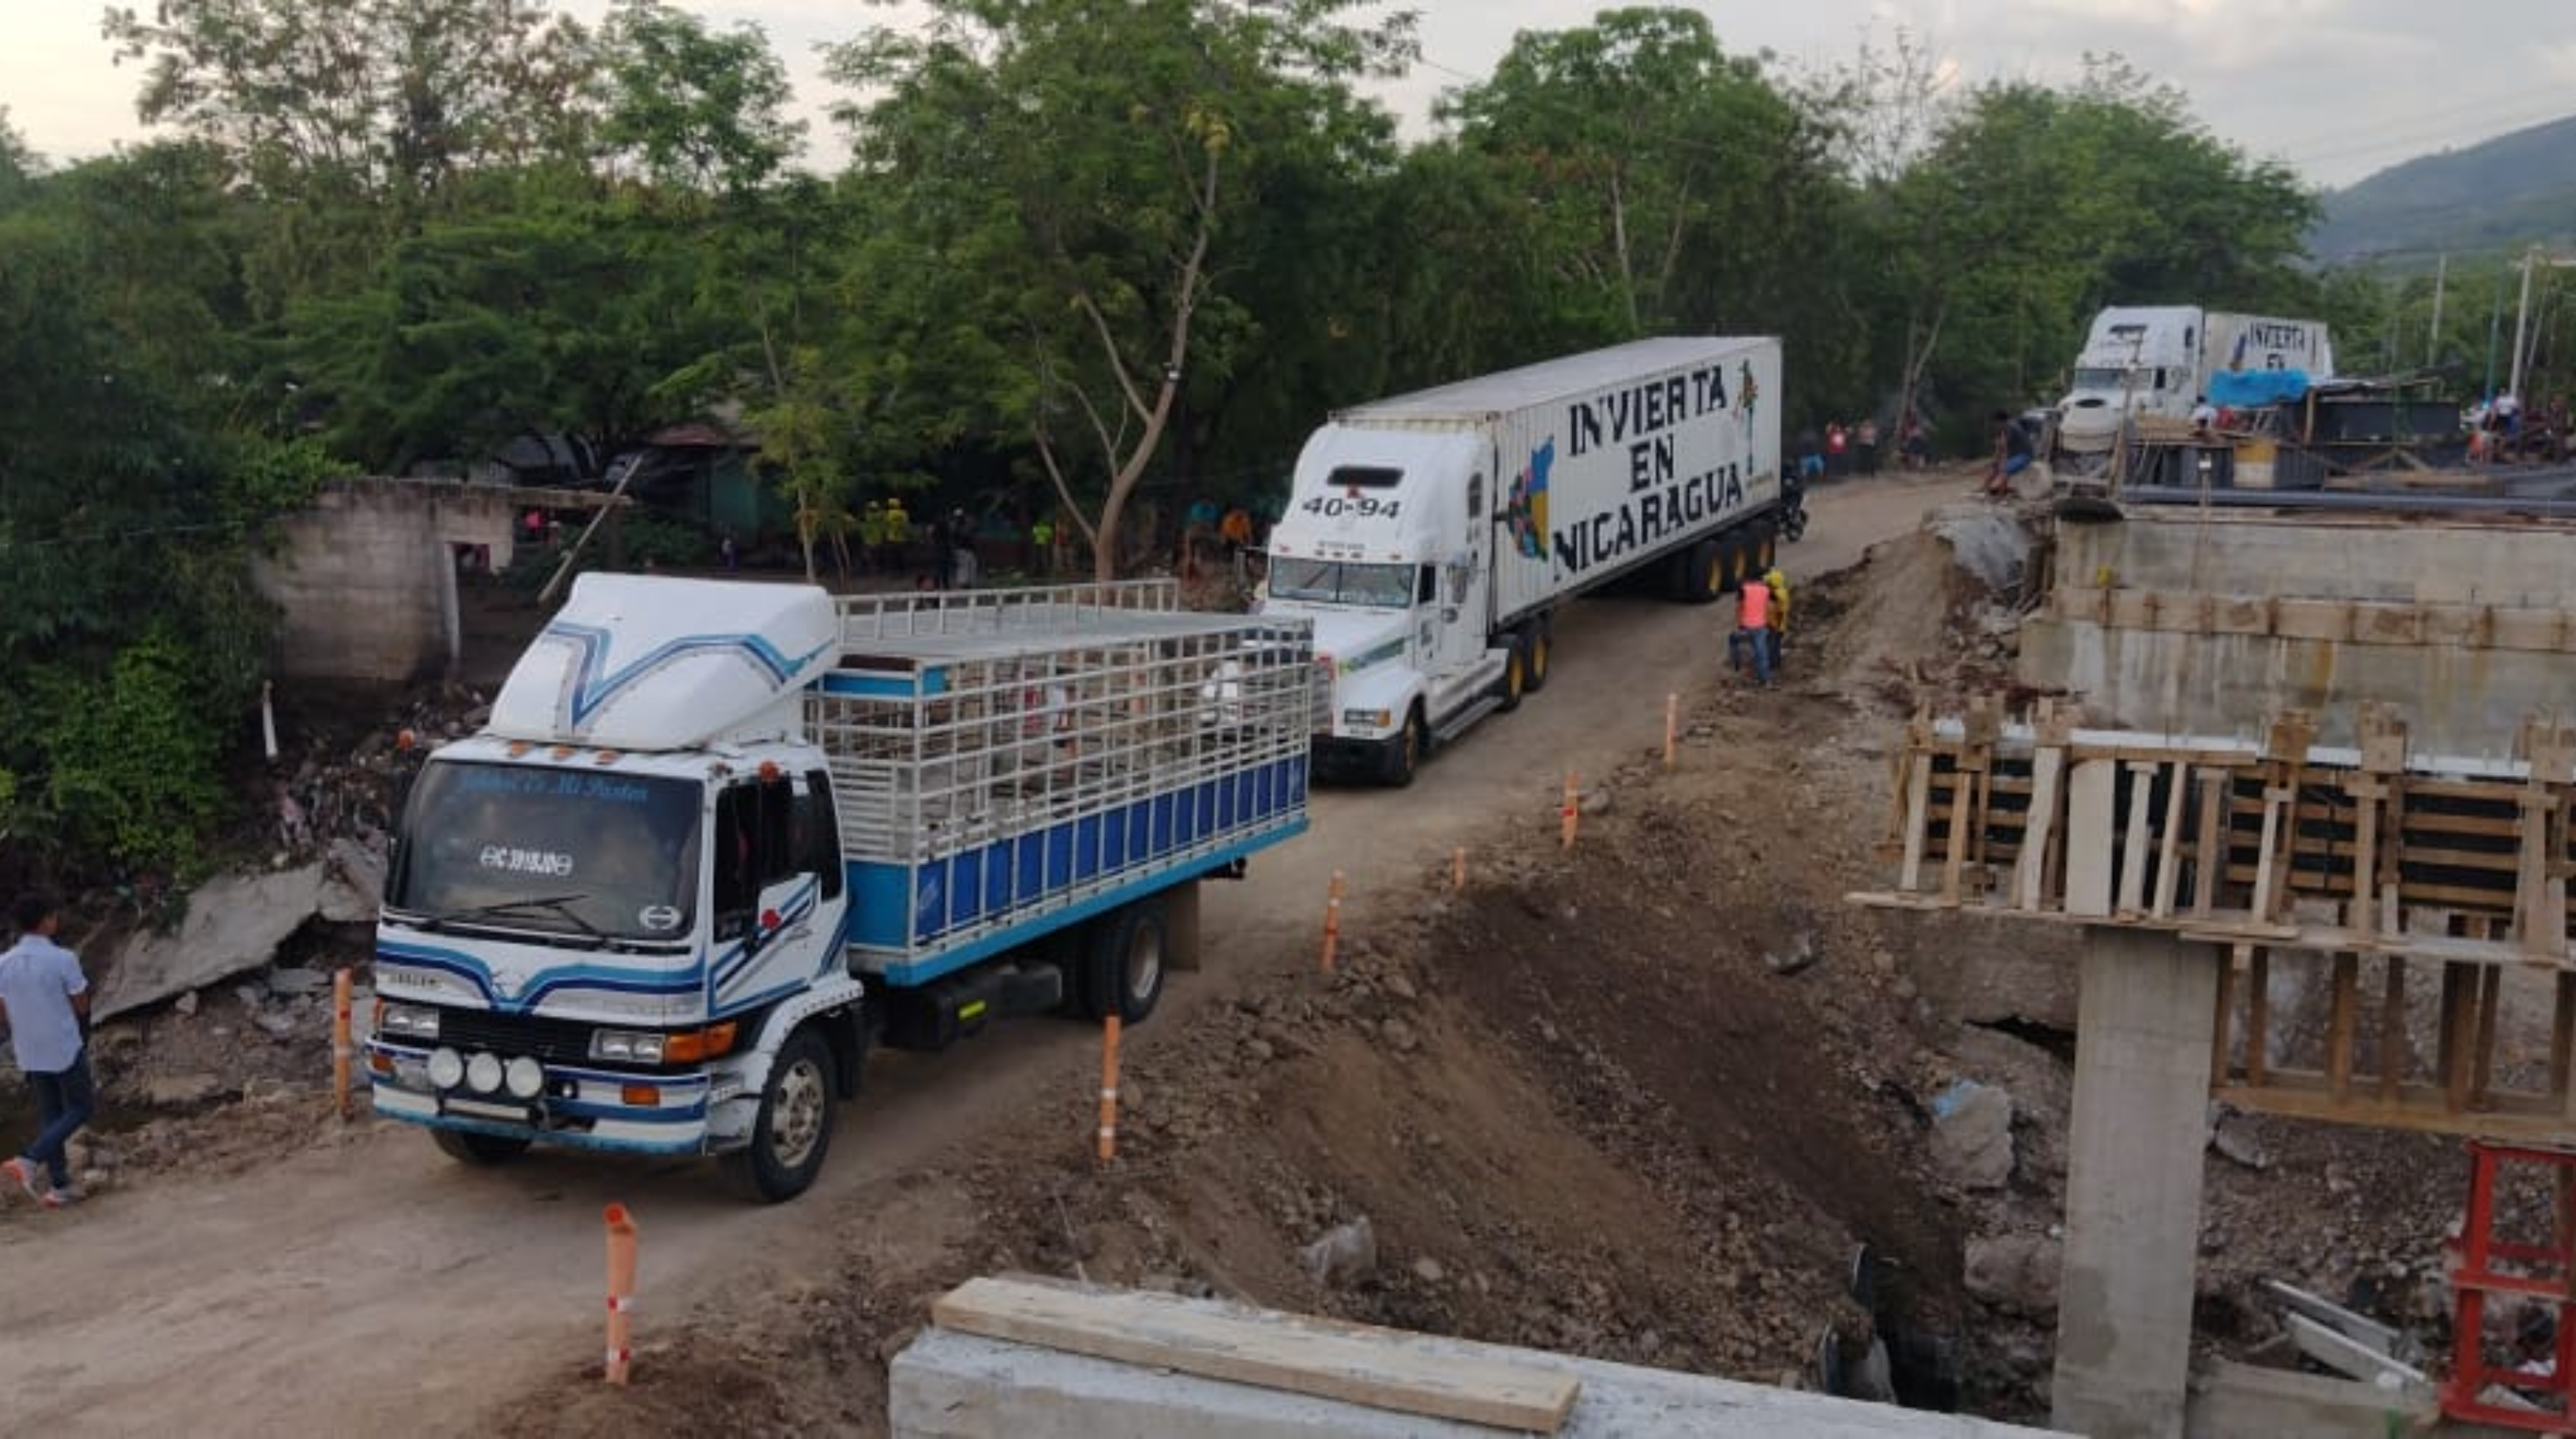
[(1431, 537), (719, 838)]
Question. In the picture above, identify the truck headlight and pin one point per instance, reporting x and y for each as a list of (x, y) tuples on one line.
[(525, 1078), (1368, 719), (412, 1021), (446, 1068), (626, 1046)]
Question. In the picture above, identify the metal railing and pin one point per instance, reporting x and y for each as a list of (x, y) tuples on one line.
[(1000, 754)]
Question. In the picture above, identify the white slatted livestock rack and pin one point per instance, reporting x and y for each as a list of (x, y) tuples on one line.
[(1006, 761)]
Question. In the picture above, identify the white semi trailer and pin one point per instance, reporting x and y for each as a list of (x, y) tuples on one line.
[(1430, 538)]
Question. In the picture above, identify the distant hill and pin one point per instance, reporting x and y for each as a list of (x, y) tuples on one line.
[(2500, 194)]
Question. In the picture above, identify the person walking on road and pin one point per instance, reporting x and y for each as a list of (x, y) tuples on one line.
[(1752, 631), (44, 1004)]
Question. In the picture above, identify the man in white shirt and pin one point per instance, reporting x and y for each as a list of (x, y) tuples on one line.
[(44, 1003)]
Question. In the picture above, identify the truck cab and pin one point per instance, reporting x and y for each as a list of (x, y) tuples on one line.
[(1386, 548), (2138, 360)]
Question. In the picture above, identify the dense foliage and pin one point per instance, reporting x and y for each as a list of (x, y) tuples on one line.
[(1084, 259)]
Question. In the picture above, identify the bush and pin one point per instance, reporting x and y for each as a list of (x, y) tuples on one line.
[(134, 755)]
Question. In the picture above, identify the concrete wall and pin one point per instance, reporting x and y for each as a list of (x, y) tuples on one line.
[(367, 577), (2476, 633), (947, 1385)]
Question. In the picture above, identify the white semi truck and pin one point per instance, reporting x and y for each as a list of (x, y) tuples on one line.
[(720, 838), (1430, 538), (2158, 360)]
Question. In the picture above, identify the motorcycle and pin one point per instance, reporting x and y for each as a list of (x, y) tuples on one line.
[(1793, 506)]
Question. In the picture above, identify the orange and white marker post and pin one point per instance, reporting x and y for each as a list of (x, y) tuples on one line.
[(1672, 726), (1458, 870), (342, 1050), (1108, 1091), (1333, 923), (1567, 815), (621, 1292)]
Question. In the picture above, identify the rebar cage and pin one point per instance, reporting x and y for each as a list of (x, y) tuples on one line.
[(1001, 757)]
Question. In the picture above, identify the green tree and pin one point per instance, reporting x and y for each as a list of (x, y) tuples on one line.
[(1072, 176), (695, 110)]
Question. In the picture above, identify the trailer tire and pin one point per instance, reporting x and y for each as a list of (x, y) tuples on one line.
[(1126, 959), (1541, 635), (1704, 570), (1399, 758), (793, 1130), (466, 1146)]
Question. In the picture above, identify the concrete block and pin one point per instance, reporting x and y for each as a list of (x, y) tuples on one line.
[(947, 1385)]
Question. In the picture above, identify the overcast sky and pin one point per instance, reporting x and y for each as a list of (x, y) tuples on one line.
[(2338, 88)]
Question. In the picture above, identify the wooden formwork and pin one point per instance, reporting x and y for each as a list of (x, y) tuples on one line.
[(2436, 874)]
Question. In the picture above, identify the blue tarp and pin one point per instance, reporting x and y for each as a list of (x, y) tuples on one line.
[(2251, 389)]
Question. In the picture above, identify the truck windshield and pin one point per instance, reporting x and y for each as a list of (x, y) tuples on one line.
[(1335, 582), (2105, 379), (601, 856)]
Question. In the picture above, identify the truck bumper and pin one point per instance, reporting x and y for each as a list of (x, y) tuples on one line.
[(583, 1108)]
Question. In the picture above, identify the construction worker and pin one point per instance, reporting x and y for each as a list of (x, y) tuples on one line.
[(1042, 544), (1752, 632), (1778, 584), (872, 535), (898, 534)]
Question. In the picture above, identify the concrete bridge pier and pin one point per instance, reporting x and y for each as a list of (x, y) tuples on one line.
[(2147, 1019)]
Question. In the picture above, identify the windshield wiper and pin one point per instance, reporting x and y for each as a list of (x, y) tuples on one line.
[(561, 905)]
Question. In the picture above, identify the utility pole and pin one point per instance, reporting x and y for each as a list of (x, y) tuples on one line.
[(2495, 337), (2521, 316), (2433, 335)]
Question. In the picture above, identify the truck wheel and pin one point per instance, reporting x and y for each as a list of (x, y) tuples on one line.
[(794, 1128), (1398, 758), (1541, 636), (482, 1150), (1515, 681), (1705, 567), (1127, 960)]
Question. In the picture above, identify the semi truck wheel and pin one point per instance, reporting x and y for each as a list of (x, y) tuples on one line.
[(794, 1129), (1515, 681), (1126, 961), (1541, 635), (1398, 758), (1704, 569), (467, 1147)]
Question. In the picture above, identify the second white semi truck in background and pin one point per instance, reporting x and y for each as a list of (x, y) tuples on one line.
[(1431, 537), (2158, 359), (720, 838)]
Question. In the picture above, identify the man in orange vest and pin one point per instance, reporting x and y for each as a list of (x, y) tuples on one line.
[(1752, 630)]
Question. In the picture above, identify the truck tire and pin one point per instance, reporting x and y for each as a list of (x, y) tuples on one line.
[(793, 1131), (1125, 960), (1705, 570), (1541, 635), (481, 1150), (1513, 687), (1400, 757)]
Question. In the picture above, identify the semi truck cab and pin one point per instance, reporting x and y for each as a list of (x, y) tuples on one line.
[(1386, 548)]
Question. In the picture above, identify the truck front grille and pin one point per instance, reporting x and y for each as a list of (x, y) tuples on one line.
[(551, 1041)]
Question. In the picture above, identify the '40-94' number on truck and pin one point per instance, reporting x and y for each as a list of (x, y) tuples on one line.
[(1367, 507)]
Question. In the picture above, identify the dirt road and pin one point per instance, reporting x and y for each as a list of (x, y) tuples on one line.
[(363, 1282)]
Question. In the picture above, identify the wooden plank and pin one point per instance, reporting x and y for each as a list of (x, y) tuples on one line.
[(2343, 1023), (2169, 848), (2453, 1037), (2490, 999), (1329, 1359), (2392, 1027), (2031, 869), (2258, 1012), (2419, 1109), (2209, 862), (2267, 853), (2366, 793), (1918, 816), (2088, 838), (2133, 846), (2223, 1025)]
